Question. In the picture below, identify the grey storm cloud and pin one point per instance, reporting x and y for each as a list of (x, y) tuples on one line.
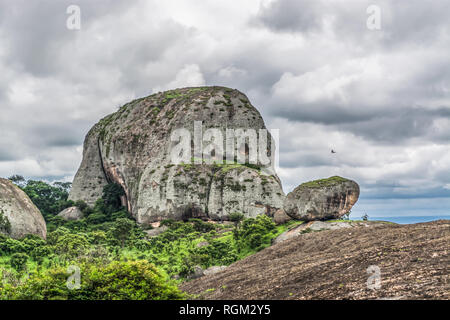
[(312, 68), (404, 21), (292, 16), (35, 30), (392, 125)]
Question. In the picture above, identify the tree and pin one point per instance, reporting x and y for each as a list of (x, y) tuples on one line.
[(236, 217), (112, 194), (122, 229), (72, 245), (50, 199), (18, 180), (63, 185)]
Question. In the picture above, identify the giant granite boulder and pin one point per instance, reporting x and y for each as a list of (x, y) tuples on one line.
[(132, 147), (18, 215), (322, 199)]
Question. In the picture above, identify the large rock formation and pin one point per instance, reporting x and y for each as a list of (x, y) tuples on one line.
[(18, 215), (322, 199), (132, 147)]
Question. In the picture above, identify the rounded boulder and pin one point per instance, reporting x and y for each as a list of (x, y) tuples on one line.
[(322, 199)]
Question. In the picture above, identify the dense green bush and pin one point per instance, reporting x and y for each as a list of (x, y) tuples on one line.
[(117, 259), (71, 245), (9, 246), (122, 230), (18, 261), (254, 233), (133, 280)]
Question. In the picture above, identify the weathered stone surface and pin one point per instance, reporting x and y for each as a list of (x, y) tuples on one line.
[(23, 216), (198, 272), (314, 226), (132, 146), (72, 213), (280, 217), (156, 231), (213, 270), (322, 199)]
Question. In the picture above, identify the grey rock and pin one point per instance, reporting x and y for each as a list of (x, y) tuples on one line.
[(214, 270), (156, 231), (315, 226), (280, 217), (132, 146), (23, 216), (320, 225), (197, 273), (200, 272), (71, 213), (322, 199), (289, 234)]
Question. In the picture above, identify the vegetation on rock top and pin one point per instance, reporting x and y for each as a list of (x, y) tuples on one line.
[(328, 182)]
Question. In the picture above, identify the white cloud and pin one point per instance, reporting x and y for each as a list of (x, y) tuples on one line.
[(189, 76)]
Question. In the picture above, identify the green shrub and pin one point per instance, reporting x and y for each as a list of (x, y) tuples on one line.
[(18, 261), (97, 218), (254, 233), (122, 230), (133, 280), (10, 246), (72, 245), (202, 226), (236, 217)]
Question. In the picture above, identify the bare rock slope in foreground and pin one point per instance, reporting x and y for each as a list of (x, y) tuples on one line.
[(332, 264), (19, 216)]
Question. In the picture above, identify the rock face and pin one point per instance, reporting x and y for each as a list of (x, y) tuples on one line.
[(132, 147), (322, 199), (314, 226), (19, 213), (72, 213), (280, 217), (332, 264)]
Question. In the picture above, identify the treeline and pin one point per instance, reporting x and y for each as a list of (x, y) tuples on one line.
[(115, 256)]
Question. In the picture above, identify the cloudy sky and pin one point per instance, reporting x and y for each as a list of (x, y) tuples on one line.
[(314, 69)]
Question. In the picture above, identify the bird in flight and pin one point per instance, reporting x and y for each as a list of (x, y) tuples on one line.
[(332, 151)]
